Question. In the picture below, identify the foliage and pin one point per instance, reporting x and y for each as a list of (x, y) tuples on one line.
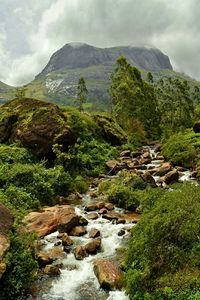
[(21, 92), (14, 154), (21, 267), (179, 150), (176, 105), (81, 96), (163, 254), (133, 98)]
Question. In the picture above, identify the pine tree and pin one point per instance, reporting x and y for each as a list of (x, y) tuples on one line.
[(82, 92)]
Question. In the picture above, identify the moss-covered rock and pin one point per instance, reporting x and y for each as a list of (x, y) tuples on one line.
[(110, 130), (37, 125)]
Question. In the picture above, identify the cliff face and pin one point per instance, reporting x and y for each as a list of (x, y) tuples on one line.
[(77, 55)]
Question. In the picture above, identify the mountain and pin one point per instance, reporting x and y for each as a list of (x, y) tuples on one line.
[(78, 55), (57, 82), (6, 92)]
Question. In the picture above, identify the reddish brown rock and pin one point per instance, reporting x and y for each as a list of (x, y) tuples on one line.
[(50, 219), (111, 216), (121, 221), (92, 216), (108, 274), (47, 257), (93, 246), (66, 240), (78, 231), (94, 233)]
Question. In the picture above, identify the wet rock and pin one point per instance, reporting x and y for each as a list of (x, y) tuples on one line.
[(171, 177), (160, 157), (93, 194), (147, 177), (94, 233), (78, 231), (47, 257), (80, 253), (103, 211), (146, 155), (162, 170), (145, 161), (136, 154), (108, 274), (91, 207), (66, 240), (83, 221), (121, 232), (67, 223), (125, 153), (109, 206), (93, 246), (92, 216), (100, 205), (52, 270), (111, 216), (121, 221), (49, 219)]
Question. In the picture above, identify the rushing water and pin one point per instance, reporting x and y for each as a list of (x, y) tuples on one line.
[(77, 280)]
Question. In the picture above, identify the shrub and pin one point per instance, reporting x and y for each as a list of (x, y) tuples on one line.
[(179, 150), (163, 252), (21, 268), (14, 154)]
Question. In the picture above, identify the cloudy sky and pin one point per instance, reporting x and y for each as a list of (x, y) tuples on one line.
[(31, 30)]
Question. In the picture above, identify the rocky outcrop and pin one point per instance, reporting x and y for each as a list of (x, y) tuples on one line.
[(36, 124), (110, 130), (6, 221), (50, 219), (108, 274)]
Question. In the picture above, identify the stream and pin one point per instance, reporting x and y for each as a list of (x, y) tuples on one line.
[(77, 280)]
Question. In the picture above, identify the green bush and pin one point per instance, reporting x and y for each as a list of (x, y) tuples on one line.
[(21, 268), (163, 256), (179, 150), (14, 154)]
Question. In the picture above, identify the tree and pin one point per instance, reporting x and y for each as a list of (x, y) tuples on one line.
[(20, 92), (81, 96), (150, 77), (133, 99)]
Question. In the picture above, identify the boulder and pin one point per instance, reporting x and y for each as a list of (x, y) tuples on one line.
[(36, 124), (94, 233), (136, 154), (83, 221), (78, 231), (50, 219), (103, 211), (125, 153), (109, 206), (171, 177), (46, 257), (121, 221), (100, 205), (110, 130), (112, 166), (93, 246), (52, 270), (163, 169), (111, 216), (92, 216), (146, 155), (91, 207), (147, 177), (66, 240), (80, 253), (108, 274)]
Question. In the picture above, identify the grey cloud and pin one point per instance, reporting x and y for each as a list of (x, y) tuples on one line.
[(34, 29)]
